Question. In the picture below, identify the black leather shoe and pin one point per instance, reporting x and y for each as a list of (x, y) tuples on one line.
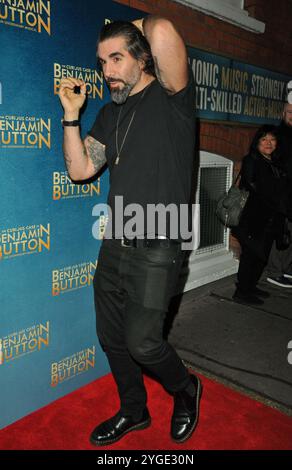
[(246, 299), (261, 293), (116, 427), (186, 412)]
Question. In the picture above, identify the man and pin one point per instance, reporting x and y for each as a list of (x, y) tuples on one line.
[(146, 136), (280, 262)]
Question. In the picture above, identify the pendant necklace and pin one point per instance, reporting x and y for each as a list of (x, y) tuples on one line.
[(118, 150)]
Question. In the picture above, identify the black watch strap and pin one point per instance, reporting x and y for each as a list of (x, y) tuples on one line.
[(70, 123)]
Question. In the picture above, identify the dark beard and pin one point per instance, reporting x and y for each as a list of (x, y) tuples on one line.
[(120, 96)]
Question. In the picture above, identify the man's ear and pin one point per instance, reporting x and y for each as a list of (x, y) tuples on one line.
[(144, 59), (142, 64)]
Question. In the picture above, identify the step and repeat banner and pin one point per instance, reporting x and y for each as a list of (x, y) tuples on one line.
[(48, 256)]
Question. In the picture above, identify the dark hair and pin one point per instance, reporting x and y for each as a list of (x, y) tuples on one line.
[(137, 44), (262, 132)]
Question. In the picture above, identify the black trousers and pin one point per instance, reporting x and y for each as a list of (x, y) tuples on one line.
[(253, 259), (280, 261), (132, 290), (249, 272)]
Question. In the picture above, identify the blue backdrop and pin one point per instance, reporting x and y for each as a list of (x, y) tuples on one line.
[(48, 344)]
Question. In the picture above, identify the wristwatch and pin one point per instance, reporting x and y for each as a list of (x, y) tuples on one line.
[(70, 123)]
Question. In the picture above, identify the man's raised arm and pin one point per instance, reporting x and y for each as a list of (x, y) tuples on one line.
[(168, 51), (83, 158)]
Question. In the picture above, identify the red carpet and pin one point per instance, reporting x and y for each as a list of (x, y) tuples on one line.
[(228, 420)]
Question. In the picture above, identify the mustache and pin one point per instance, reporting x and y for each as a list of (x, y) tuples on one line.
[(110, 80)]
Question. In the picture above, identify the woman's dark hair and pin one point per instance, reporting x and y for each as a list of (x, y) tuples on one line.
[(262, 132), (137, 44)]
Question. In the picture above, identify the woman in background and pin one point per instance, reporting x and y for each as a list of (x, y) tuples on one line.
[(263, 217)]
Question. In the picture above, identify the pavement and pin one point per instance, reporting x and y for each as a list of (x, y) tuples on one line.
[(244, 347)]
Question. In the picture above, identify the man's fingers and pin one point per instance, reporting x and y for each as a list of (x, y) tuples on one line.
[(83, 89), (71, 83), (74, 81)]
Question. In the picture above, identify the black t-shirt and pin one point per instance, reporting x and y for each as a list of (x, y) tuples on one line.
[(156, 160)]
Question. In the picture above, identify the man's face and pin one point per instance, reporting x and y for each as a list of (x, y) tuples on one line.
[(121, 71), (287, 114)]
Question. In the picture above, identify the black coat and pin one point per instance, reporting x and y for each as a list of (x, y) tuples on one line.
[(285, 141), (264, 214)]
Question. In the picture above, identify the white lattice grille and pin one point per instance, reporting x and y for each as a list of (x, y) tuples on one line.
[(212, 259), (213, 181)]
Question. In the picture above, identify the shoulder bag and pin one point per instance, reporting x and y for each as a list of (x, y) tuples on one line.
[(230, 205)]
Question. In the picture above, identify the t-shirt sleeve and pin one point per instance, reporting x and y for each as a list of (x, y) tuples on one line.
[(98, 129), (184, 100)]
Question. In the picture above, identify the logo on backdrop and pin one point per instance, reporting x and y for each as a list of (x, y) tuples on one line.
[(27, 341), (73, 277), (71, 366), (99, 226), (92, 78), (33, 15), (17, 241), (63, 188), (25, 132)]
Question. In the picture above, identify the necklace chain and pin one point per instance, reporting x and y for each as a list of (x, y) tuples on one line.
[(118, 150)]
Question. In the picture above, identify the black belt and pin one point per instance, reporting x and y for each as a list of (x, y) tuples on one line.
[(148, 242)]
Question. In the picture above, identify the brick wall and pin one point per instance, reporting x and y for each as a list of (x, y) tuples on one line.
[(271, 50)]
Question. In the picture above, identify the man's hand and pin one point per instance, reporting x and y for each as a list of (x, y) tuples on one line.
[(139, 24), (72, 102)]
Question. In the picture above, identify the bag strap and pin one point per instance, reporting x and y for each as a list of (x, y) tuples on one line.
[(237, 178)]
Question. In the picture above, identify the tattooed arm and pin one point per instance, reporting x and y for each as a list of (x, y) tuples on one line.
[(168, 51), (95, 151), (83, 158)]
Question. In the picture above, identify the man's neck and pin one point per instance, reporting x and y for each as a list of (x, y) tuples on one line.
[(143, 82)]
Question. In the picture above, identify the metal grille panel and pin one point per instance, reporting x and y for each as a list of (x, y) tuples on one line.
[(213, 182)]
